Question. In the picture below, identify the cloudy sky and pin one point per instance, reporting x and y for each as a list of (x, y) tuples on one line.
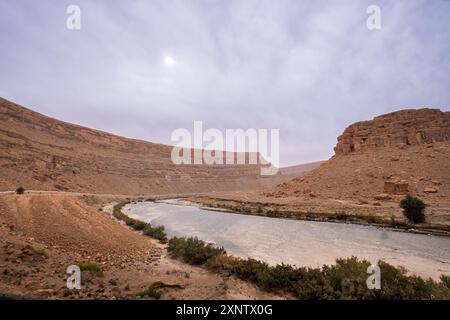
[(144, 68)]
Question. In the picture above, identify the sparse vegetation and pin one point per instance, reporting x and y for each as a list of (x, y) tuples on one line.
[(193, 250), (154, 292), (150, 293), (339, 216), (92, 267), (446, 280), (344, 280), (155, 232), (147, 229), (136, 224), (413, 208), (41, 253), (20, 190)]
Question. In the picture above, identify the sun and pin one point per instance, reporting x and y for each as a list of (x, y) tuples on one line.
[(169, 61)]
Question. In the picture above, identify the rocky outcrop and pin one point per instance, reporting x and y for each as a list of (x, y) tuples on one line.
[(378, 162), (401, 128), (395, 187)]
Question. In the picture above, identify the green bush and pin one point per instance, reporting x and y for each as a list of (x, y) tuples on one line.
[(146, 228), (251, 270), (413, 208), (155, 232), (138, 225), (117, 211), (20, 190), (280, 277), (95, 269), (151, 293), (193, 250), (344, 280), (153, 289), (446, 280)]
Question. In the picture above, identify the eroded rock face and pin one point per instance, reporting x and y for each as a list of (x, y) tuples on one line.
[(395, 187), (401, 128)]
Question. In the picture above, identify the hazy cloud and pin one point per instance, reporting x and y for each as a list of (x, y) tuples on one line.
[(309, 68)]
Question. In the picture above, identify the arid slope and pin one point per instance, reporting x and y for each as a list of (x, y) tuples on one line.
[(42, 234), (41, 153)]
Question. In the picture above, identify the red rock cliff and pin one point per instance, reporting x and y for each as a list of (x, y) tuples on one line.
[(401, 128)]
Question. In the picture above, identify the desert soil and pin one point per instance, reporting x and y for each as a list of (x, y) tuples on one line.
[(41, 234)]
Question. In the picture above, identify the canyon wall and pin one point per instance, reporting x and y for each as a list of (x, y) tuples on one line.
[(401, 128)]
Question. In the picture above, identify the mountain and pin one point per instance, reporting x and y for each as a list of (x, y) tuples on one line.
[(41, 153), (387, 157)]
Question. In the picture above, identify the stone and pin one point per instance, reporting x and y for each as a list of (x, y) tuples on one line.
[(430, 190), (394, 187), (45, 293), (383, 197)]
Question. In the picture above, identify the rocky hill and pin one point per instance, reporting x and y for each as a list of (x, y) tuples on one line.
[(397, 129), (41, 153), (400, 152)]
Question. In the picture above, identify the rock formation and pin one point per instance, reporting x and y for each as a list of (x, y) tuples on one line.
[(407, 151), (401, 128)]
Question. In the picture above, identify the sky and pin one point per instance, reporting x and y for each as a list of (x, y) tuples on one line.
[(142, 69)]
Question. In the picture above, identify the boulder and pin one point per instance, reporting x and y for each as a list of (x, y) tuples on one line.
[(383, 197), (430, 190)]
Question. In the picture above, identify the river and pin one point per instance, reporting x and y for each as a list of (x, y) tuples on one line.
[(297, 242)]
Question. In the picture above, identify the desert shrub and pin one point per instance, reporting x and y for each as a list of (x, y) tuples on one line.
[(413, 208), (146, 228), (221, 263), (117, 211), (118, 214), (445, 280), (396, 284), (155, 232), (344, 280), (92, 267), (274, 213), (41, 253), (151, 293), (139, 225), (193, 250), (280, 277), (312, 285), (250, 269), (20, 190), (153, 290)]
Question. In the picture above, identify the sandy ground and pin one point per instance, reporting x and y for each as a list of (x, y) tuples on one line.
[(42, 234)]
